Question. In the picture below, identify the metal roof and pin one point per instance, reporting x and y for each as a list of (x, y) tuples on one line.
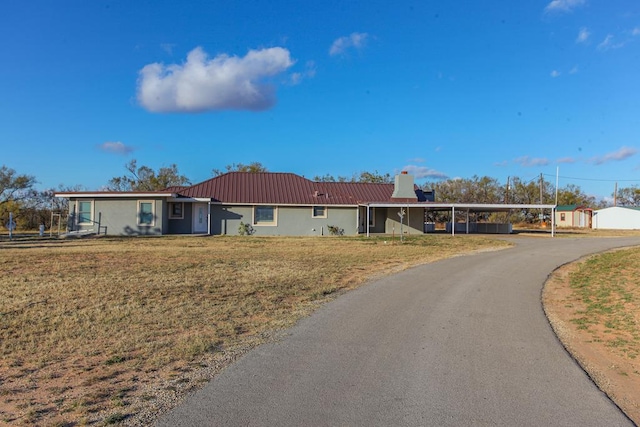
[(286, 189)]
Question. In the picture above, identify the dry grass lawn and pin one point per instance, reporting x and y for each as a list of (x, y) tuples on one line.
[(88, 327), (594, 307)]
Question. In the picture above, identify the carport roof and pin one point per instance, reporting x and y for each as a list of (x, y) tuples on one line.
[(471, 207)]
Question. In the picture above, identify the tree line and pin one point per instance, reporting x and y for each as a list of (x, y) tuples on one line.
[(31, 207)]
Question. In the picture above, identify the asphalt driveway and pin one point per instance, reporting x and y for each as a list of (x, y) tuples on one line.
[(459, 342)]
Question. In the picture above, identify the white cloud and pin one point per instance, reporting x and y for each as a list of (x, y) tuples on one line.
[(309, 72), (168, 47), (222, 83), (574, 70), (566, 160), (115, 147), (622, 154), (635, 31), (563, 5), (583, 35), (502, 163), (608, 43), (355, 40), (422, 172), (527, 161), (555, 73)]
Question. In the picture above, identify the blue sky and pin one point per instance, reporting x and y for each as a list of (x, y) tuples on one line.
[(442, 89)]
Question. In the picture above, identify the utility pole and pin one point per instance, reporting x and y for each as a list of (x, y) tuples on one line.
[(615, 195), (541, 211)]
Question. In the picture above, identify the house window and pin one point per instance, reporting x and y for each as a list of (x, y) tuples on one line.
[(146, 213), (85, 214), (176, 210), (265, 215), (372, 217), (562, 217), (319, 212)]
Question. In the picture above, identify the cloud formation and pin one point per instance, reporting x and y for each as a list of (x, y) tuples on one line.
[(421, 172), (583, 35), (222, 83), (555, 73), (308, 73), (563, 5), (615, 156), (116, 147), (566, 160), (527, 161), (342, 44)]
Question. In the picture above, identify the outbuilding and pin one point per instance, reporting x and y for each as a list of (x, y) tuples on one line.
[(617, 218)]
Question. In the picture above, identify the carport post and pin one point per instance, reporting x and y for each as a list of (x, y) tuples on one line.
[(368, 219), (453, 220), (467, 221), (553, 222)]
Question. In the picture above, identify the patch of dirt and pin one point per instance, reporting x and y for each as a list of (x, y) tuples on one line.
[(614, 372)]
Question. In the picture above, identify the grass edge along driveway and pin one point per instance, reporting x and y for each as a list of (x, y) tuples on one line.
[(114, 330)]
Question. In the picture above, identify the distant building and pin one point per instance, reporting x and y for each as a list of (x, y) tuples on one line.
[(617, 218), (573, 216)]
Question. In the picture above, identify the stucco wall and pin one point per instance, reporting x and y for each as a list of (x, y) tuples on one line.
[(120, 216), (413, 221), (291, 221), (181, 226)]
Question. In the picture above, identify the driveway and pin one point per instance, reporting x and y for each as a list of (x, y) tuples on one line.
[(459, 342)]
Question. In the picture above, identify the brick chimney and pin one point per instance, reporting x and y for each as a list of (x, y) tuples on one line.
[(404, 190)]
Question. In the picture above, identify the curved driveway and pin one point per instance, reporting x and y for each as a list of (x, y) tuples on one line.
[(459, 342)]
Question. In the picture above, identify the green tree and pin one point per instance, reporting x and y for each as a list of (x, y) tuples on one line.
[(253, 167), (373, 177), (144, 178), (629, 196), (14, 187), (573, 195)]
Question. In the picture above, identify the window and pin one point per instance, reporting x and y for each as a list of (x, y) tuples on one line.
[(562, 217), (319, 212), (176, 210), (372, 217), (146, 213), (85, 215), (265, 215)]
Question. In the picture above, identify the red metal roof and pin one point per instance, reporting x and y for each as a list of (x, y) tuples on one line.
[(286, 188)]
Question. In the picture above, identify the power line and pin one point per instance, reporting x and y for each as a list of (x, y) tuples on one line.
[(594, 179)]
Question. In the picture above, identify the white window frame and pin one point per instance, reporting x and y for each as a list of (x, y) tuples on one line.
[(313, 211), (372, 217), (153, 213), (92, 202), (273, 223), (174, 216)]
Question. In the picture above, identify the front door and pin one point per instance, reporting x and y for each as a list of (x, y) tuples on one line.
[(200, 218)]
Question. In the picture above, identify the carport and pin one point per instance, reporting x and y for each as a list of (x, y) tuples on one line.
[(466, 208)]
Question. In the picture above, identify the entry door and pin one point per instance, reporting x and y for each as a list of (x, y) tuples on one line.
[(199, 217)]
